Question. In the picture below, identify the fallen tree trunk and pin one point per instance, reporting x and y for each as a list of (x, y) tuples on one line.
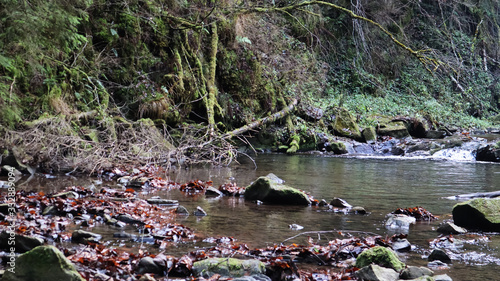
[(269, 119), (492, 194)]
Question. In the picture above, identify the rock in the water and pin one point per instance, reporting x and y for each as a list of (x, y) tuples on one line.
[(489, 153), (336, 147), (129, 219), (451, 228), (435, 134), (414, 272), (161, 201), (212, 191), (398, 221), (43, 263), (478, 214), (81, 236), (181, 210), (23, 243), (379, 255), (442, 277), (268, 190), (401, 245), (374, 272), (358, 210), (227, 267), (440, 255), (340, 203), (200, 212)]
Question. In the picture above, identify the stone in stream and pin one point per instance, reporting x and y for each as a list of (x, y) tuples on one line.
[(414, 272), (381, 256), (148, 265), (399, 221), (271, 190), (81, 236), (401, 245), (440, 255), (374, 272), (340, 203), (43, 263), (451, 228), (478, 214), (161, 201), (200, 212), (228, 267)]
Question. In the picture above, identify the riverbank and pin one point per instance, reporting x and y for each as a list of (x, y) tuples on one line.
[(401, 183)]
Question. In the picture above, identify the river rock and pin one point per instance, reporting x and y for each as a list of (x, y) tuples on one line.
[(369, 135), (440, 255), (358, 210), (414, 272), (401, 245), (268, 190), (157, 200), (129, 219), (181, 210), (442, 277), (81, 236), (478, 214), (399, 221), (345, 125), (336, 147), (212, 191), (148, 265), (435, 134), (340, 203), (43, 263), (227, 267), (451, 228), (395, 129), (374, 272), (200, 212), (381, 256), (490, 153), (23, 243)]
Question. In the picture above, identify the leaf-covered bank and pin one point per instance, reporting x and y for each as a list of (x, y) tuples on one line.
[(93, 73)]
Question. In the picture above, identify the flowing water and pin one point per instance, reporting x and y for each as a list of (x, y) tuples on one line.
[(378, 185)]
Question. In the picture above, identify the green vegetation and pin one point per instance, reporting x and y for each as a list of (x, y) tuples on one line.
[(101, 65)]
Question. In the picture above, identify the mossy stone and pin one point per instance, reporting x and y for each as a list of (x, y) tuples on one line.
[(345, 125), (267, 190), (479, 213), (228, 267), (43, 263), (381, 256)]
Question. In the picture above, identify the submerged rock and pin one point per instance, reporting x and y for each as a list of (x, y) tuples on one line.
[(227, 267), (43, 263), (81, 236), (479, 214), (161, 201), (200, 212), (374, 272), (269, 190), (381, 256)]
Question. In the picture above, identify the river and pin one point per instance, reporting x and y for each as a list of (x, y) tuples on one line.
[(379, 185)]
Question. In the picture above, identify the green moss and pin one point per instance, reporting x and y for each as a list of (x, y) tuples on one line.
[(379, 255)]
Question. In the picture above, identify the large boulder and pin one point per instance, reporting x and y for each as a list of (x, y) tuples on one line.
[(478, 214), (271, 189), (345, 125), (381, 256), (227, 267), (43, 263)]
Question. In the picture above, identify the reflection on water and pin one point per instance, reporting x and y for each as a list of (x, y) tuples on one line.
[(378, 185)]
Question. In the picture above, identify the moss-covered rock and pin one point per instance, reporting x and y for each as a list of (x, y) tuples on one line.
[(381, 256), (396, 129), (369, 135), (43, 263), (345, 125), (337, 147), (227, 267), (479, 214), (268, 190)]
